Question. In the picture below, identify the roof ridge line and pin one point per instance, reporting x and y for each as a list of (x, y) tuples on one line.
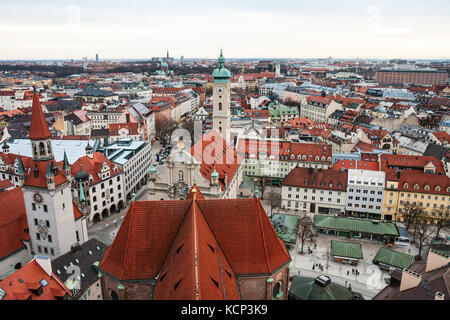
[(127, 240), (194, 218), (262, 232)]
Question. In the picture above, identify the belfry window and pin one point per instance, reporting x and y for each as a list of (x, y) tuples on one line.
[(41, 148), (220, 105)]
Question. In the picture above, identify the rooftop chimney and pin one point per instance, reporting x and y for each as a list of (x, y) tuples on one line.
[(436, 260), (409, 280)]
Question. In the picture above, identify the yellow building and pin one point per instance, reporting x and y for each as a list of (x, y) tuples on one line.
[(431, 191)]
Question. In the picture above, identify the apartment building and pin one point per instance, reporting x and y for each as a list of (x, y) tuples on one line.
[(318, 109), (365, 193), (315, 191)]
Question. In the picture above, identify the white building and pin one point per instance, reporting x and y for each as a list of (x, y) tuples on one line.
[(311, 190), (365, 193), (134, 158)]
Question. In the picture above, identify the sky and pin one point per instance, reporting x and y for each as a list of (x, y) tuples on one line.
[(138, 29)]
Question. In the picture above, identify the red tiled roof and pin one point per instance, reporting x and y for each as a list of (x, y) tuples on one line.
[(93, 166), (22, 283), (38, 127), (317, 179), (198, 196), (119, 126), (5, 184), (443, 137), (41, 180), (13, 222), (420, 180), (351, 164), (76, 212), (196, 262), (214, 152), (402, 162), (238, 230)]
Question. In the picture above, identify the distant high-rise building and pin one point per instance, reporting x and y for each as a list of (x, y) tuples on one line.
[(96, 57), (277, 71)]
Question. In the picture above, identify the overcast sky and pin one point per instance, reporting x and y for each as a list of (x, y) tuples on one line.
[(50, 29)]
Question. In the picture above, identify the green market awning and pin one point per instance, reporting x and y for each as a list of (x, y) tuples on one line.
[(355, 225), (351, 250)]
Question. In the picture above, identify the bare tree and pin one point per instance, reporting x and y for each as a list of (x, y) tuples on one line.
[(305, 230), (411, 213), (422, 232), (274, 199), (440, 217), (164, 128)]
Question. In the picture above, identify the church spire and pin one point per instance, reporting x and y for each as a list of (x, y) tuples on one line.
[(38, 128)]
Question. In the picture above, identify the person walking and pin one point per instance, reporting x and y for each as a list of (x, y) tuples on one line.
[(348, 272)]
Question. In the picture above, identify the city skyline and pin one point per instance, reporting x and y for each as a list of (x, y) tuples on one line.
[(287, 29)]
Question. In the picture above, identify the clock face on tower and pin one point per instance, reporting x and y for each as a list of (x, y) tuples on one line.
[(220, 90), (37, 197)]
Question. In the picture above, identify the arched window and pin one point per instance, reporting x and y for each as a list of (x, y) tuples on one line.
[(220, 105), (304, 157), (299, 157), (277, 290), (49, 147), (114, 295), (323, 158), (317, 158)]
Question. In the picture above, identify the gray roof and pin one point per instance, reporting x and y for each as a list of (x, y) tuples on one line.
[(90, 92), (88, 254), (74, 148)]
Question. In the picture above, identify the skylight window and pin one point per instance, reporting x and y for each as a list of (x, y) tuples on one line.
[(44, 282), (2, 294)]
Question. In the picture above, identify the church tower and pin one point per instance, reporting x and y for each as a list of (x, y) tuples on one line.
[(221, 97), (52, 224)]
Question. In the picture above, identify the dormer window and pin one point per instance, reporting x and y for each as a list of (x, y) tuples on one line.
[(292, 157), (317, 158), (405, 186), (427, 187), (323, 158), (304, 157), (306, 182), (416, 187), (438, 188), (330, 184), (299, 157)]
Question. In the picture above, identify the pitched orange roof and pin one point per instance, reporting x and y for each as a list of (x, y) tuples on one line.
[(93, 166), (231, 235), (22, 284), (413, 181), (38, 127), (40, 181), (198, 195), (215, 153), (351, 164), (13, 222), (195, 266)]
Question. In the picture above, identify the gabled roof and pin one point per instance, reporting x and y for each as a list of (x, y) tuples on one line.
[(22, 284), (195, 267), (213, 151), (40, 181), (38, 127), (393, 258), (195, 241), (351, 250), (13, 222)]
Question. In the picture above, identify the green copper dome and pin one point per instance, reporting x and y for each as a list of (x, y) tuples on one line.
[(153, 169), (214, 174), (221, 74)]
